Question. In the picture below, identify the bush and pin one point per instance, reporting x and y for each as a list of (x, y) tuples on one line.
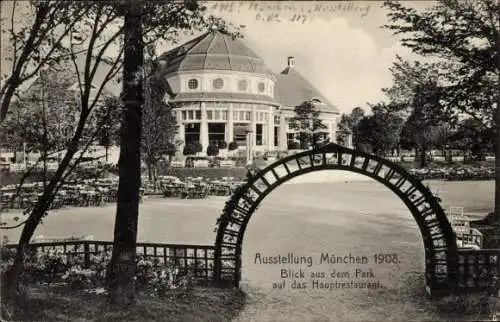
[(304, 145), (223, 145), (80, 279), (171, 149), (212, 150), (198, 147), (233, 146), (54, 267), (365, 147), (293, 145), (189, 149)]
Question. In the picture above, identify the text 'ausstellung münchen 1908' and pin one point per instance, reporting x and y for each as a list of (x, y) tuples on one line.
[(323, 258)]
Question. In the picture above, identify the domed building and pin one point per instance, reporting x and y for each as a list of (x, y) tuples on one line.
[(225, 92)]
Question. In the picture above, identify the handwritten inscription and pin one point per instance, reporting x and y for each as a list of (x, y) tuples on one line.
[(297, 12)]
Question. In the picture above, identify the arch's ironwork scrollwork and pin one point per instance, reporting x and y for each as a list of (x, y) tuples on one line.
[(438, 237)]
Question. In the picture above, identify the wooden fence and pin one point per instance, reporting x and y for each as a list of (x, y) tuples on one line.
[(475, 268), (198, 258)]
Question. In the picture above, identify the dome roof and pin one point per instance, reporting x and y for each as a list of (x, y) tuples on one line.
[(214, 50), (292, 89)]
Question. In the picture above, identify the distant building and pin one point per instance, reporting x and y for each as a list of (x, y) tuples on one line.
[(224, 90)]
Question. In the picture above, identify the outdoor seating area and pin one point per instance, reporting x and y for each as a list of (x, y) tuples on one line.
[(197, 188), (467, 237), (99, 192), (84, 193)]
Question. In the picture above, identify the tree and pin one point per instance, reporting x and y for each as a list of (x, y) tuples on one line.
[(42, 116), (233, 146), (307, 124), (348, 124), (343, 129), (423, 129), (212, 150), (197, 147), (121, 270), (171, 150), (159, 123), (145, 22), (37, 41), (103, 25), (189, 149), (465, 34), (76, 144), (421, 136), (471, 135), (111, 116), (222, 145), (380, 130)]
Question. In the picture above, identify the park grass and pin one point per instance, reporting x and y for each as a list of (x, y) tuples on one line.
[(45, 302), (59, 303)]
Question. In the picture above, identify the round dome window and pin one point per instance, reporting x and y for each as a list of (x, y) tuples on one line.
[(262, 87), (242, 85), (193, 83), (218, 83)]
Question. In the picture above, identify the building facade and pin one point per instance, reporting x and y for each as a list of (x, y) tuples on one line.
[(223, 91)]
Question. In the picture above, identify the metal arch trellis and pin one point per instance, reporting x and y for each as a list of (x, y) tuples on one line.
[(441, 258)]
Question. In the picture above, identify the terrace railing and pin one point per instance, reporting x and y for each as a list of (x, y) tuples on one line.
[(199, 259)]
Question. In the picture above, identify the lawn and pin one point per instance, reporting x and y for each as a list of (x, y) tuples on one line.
[(57, 303)]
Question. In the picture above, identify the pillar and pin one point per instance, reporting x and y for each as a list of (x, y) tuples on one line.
[(230, 124), (330, 130), (282, 135), (270, 129), (181, 129), (349, 141), (333, 133), (250, 145), (253, 122), (204, 128)]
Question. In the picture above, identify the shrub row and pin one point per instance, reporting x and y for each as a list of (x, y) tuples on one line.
[(55, 267), (210, 173)]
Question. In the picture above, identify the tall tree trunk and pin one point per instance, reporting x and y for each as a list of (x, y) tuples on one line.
[(154, 174), (497, 163), (107, 152), (422, 161), (150, 171), (121, 273)]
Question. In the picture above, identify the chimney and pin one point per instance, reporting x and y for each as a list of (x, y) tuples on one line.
[(291, 61)]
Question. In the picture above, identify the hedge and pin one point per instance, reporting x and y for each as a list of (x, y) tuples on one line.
[(212, 173), (8, 178)]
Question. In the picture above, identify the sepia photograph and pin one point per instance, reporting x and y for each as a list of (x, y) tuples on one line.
[(249, 161)]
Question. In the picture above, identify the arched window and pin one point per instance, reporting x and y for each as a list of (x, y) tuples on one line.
[(218, 83), (242, 85), (193, 83), (262, 87)]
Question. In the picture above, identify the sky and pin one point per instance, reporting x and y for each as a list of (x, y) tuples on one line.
[(339, 46)]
